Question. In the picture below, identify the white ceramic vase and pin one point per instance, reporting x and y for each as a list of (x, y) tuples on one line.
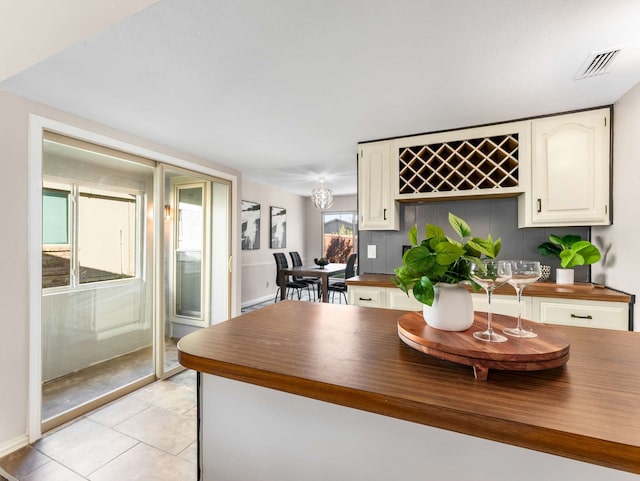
[(564, 276), (452, 308)]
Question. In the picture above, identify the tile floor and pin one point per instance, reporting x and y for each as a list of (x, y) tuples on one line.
[(148, 435)]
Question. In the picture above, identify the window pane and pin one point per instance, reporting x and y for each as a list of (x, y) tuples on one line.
[(56, 253), (339, 231), (189, 249), (55, 216), (106, 237)]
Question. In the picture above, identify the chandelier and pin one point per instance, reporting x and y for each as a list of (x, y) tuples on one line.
[(322, 197)]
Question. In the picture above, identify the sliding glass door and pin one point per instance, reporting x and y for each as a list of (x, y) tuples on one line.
[(97, 275), (135, 255)]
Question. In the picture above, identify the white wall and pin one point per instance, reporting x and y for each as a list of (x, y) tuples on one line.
[(14, 281), (622, 264), (258, 265)]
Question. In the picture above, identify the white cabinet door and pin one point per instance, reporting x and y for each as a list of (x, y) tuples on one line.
[(570, 171), (396, 299), (376, 173)]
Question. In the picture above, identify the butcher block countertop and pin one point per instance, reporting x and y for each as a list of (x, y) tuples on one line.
[(586, 410), (585, 291)]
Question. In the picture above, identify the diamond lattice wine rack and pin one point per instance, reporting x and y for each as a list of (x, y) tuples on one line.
[(479, 165)]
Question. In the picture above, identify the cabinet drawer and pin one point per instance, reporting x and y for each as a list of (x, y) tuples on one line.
[(367, 296), (604, 315)]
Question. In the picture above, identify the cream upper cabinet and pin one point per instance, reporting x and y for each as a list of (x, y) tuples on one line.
[(570, 171), (489, 161), (376, 174)]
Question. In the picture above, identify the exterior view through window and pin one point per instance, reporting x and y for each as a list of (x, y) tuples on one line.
[(340, 235)]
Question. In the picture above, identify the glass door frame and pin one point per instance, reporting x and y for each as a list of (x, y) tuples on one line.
[(37, 126)]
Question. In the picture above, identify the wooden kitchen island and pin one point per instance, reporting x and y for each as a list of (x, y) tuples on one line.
[(310, 391)]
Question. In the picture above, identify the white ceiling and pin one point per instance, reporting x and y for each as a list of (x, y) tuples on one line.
[(284, 89)]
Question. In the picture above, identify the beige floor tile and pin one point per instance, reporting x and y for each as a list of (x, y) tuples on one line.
[(168, 395), (23, 461), (163, 429), (119, 411), (146, 463), (84, 445), (52, 471), (190, 453)]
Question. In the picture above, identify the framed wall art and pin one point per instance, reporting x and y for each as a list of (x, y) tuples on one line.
[(278, 228), (250, 220)]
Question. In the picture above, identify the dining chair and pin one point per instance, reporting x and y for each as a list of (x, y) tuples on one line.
[(296, 261), (341, 286), (291, 285)]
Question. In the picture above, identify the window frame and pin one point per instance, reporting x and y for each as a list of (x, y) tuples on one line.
[(75, 188), (354, 236)]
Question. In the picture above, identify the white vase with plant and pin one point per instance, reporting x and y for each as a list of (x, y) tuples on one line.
[(434, 268), (572, 251)]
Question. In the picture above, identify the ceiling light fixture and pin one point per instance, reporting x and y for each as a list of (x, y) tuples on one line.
[(322, 197)]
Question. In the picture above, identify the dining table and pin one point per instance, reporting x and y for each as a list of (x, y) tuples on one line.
[(323, 273)]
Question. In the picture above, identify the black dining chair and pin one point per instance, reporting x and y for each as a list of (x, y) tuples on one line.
[(291, 285), (296, 261), (341, 286)]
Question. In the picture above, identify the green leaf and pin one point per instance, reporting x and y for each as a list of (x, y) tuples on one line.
[(459, 225), (588, 251), (569, 240), (432, 231), (419, 259), (549, 249), (447, 253), (413, 235), (423, 291)]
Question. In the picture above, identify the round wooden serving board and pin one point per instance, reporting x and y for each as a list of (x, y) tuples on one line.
[(550, 349)]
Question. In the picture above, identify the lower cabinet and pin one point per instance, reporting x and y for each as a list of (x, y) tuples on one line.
[(569, 312), (575, 312)]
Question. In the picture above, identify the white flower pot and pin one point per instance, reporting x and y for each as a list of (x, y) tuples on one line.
[(564, 276), (452, 308)]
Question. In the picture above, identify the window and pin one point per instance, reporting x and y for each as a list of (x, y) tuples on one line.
[(339, 235), (89, 235)]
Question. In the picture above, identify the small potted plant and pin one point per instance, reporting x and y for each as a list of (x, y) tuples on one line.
[(433, 269), (572, 251)]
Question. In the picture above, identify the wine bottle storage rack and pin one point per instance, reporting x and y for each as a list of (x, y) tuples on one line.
[(462, 165)]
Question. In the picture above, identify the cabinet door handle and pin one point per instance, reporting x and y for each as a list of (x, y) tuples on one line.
[(384, 214), (365, 299), (576, 316), (539, 206)]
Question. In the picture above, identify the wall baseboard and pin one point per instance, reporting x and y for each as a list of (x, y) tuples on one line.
[(13, 445), (259, 300)]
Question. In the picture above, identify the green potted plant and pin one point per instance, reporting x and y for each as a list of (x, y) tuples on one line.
[(572, 251), (433, 269)]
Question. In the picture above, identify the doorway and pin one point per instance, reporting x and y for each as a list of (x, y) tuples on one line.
[(196, 274), (133, 255)]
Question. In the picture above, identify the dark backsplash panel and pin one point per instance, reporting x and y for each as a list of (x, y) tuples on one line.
[(499, 217)]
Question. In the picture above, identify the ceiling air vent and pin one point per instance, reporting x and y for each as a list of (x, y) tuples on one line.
[(597, 63)]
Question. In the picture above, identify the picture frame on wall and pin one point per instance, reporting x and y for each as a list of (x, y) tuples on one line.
[(278, 227), (250, 221)]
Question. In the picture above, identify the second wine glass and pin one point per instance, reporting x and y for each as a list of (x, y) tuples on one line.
[(490, 275), (523, 273)]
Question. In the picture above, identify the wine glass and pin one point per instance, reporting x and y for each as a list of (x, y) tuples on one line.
[(523, 273), (490, 275)]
